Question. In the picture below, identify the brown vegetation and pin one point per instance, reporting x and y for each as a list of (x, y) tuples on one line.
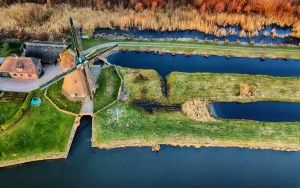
[(245, 90), (197, 110), (203, 15)]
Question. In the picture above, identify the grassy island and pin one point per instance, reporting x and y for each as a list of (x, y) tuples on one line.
[(37, 135), (227, 87), (137, 127)]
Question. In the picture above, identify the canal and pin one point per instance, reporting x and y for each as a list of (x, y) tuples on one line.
[(166, 63)]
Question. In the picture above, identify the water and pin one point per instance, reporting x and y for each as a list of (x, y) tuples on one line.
[(172, 167), (164, 64), (284, 35), (260, 111)]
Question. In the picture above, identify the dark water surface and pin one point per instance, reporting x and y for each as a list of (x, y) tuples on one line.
[(260, 111), (192, 34), (172, 167), (164, 64)]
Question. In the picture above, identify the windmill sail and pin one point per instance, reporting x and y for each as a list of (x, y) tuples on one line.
[(75, 38), (59, 77)]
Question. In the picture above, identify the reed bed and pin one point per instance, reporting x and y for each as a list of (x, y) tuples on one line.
[(42, 21)]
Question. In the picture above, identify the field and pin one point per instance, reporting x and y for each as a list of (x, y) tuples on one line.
[(226, 87), (7, 111), (56, 96), (42, 131), (136, 127), (142, 84), (108, 87)]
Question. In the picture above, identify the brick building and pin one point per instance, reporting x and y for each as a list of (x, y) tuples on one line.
[(21, 68)]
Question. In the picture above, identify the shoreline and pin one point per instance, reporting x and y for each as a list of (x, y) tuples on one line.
[(206, 52), (232, 144)]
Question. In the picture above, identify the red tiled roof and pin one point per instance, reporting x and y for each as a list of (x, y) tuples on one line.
[(20, 65)]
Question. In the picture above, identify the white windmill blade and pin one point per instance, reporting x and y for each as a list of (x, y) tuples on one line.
[(96, 50)]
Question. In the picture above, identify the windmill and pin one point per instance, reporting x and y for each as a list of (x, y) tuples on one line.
[(75, 63)]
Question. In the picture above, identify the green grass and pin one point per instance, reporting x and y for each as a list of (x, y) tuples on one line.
[(55, 94), (137, 127), (226, 87), (42, 130), (141, 84), (108, 87), (8, 110), (8, 48)]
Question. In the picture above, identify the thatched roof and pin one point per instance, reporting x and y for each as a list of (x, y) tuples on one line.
[(20, 65), (48, 52)]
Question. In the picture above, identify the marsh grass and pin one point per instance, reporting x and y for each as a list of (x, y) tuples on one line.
[(36, 19)]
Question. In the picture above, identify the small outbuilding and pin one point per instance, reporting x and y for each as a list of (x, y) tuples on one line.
[(47, 52), (21, 68)]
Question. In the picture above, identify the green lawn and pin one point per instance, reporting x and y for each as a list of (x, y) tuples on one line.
[(8, 110), (108, 87), (139, 128), (226, 87), (55, 94), (41, 131), (141, 84)]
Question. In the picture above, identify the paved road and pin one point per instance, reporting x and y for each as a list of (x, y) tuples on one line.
[(18, 85)]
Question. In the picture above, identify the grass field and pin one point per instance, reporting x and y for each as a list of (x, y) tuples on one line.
[(142, 84), (108, 87), (136, 127), (41, 131), (226, 87), (55, 94), (8, 110)]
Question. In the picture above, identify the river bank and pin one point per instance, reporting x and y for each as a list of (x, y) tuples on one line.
[(193, 47)]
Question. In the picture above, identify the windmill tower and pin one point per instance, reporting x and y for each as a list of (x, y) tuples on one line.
[(78, 84)]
